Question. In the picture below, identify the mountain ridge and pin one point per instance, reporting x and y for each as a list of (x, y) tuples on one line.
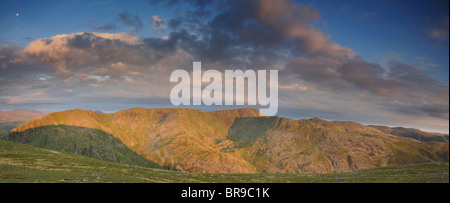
[(19, 115), (240, 141), (414, 134), (12, 119)]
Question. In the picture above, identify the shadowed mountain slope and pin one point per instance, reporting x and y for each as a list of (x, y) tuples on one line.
[(83, 141), (238, 141)]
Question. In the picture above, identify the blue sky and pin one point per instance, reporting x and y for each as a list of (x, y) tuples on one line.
[(376, 30), (347, 58), (389, 29)]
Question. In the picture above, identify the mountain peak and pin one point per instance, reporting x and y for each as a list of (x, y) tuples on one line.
[(237, 141)]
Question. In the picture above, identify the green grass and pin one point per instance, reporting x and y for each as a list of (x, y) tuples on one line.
[(83, 141), (24, 163)]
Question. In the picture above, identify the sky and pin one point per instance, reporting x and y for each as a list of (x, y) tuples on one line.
[(381, 62)]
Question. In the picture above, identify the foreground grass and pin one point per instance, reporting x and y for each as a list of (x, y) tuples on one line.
[(24, 163)]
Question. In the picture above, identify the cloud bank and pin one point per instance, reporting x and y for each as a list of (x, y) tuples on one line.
[(316, 74)]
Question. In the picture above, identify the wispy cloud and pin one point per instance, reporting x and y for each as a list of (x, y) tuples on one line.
[(34, 97), (133, 22), (440, 29), (158, 25)]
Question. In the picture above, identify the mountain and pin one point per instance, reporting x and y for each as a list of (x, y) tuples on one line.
[(19, 115), (413, 133), (231, 141), (12, 119), (279, 145), (174, 138), (28, 164)]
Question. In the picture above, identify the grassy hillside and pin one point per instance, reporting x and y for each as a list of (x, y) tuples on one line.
[(24, 163), (83, 141), (233, 141), (10, 125), (3, 133)]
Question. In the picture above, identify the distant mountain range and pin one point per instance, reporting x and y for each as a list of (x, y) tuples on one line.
[(12, 119), (19, 115), (414, 133), (230, 141)]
